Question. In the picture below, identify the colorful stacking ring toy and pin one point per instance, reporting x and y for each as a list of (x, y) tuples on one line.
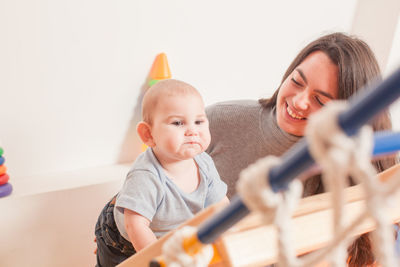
[(4, 178), (5, 189), (3, 169)]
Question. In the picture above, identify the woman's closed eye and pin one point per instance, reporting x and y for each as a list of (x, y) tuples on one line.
[(319, 101), (296, 82)]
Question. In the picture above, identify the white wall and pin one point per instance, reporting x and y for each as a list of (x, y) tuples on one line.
[(52, 229), (71, 71), (378, 23), (375, 22), (52, 223), (71, 75), (394, 63)]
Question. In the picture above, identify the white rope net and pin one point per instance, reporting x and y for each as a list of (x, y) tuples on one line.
[(176, 256), (339, 156)]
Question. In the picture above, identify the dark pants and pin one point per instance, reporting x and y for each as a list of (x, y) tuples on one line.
[(112, 248)]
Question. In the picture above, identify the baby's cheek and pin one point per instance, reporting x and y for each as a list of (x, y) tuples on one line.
[(206, 139), (175, 143), (172, 145)]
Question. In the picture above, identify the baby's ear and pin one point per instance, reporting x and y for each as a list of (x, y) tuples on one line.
[(144, 131)]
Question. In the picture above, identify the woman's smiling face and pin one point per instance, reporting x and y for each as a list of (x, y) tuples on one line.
[(312, 84)]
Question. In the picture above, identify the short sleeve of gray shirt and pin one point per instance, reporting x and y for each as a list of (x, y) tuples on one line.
[(148, 191)]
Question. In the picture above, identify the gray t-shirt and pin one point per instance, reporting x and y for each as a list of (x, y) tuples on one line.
[(243, 131), (148, 191)]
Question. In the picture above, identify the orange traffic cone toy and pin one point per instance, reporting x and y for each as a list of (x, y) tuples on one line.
[(159, 71)]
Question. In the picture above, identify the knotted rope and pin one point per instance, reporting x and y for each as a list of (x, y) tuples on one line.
[(339, 156)]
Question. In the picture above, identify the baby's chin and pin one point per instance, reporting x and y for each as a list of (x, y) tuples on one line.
[(191, 153)]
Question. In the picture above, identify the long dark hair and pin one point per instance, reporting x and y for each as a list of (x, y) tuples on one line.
[(355, 60), (357, 67)]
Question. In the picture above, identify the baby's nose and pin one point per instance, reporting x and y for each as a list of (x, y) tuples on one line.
[(190, 131)]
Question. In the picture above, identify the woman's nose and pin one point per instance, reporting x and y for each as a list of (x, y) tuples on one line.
[(301, 101)]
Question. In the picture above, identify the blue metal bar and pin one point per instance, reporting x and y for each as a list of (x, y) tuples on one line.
[(363, 108), (386, 142)]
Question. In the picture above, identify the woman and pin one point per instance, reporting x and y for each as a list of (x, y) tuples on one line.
[(334, 66)]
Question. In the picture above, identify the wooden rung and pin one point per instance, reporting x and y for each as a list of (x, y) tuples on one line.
[(143, 257), (250, 243)]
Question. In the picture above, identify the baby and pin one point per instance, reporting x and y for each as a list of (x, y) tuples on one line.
[(169, 182)]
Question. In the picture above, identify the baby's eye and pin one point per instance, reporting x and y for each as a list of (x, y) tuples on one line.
[(199, 122), (177, 123)]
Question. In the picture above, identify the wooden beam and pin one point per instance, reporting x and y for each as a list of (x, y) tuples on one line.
[(251, 243), (143, 257)]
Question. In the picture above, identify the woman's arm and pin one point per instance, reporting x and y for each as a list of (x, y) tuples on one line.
[(138, 230)]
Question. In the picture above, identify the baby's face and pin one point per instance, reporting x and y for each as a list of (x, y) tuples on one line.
[(180, 127)]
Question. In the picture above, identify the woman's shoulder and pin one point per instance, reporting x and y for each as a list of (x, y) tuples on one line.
[(235, 109), (235, 104)]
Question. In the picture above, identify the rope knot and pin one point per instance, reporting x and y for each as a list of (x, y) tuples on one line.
[(176, 255)]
